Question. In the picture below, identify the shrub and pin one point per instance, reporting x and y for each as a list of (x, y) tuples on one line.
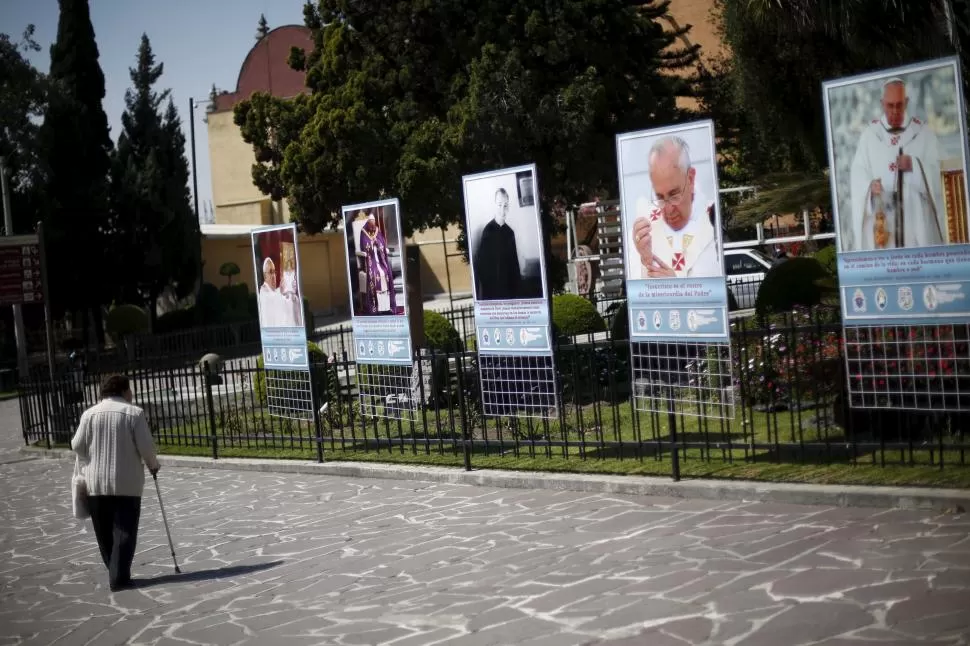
[(175, 320), (320, 378), (307, 318), (574, 315), (620, 327), (827, 258), (439, 334), (234, 303), (207, 304), (124, 320), (229, 269), (789, 364), (790, 283)]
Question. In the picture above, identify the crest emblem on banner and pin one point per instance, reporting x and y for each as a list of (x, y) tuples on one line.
[(675, 320), (859, 301), (904, 298), (881, 299)]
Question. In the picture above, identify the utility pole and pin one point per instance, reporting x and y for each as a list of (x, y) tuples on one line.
[(18, 315), (195, 177)]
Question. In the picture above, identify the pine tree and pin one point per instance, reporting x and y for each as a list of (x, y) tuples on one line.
[(213, 99), (262, 29), (76, 149), (153, 224), (180, 235)]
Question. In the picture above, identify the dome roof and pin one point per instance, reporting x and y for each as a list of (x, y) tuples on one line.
[(265, 69)]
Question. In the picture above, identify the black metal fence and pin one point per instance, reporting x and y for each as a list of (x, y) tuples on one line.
[(789, 383)]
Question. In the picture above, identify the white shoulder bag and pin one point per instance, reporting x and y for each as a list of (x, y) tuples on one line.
[(79, 493)]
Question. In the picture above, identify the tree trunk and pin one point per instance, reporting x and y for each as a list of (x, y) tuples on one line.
[(152, 311), (85, 329), (98, 317)]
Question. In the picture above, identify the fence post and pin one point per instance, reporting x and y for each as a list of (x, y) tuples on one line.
[(465, 431), (672, 421), (210, 405), (315, 403)]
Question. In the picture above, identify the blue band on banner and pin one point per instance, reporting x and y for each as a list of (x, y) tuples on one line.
[(513, 327), (926, 285), (382, 339), (285, 349), (678, 309)]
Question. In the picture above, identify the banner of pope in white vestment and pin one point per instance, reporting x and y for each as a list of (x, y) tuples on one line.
[(674, 233), (895, 184)]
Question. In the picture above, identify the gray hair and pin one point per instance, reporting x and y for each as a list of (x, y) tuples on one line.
[(664, 144), (895, 81)]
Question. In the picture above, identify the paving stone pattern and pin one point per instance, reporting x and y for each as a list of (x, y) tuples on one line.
[(301, 559)]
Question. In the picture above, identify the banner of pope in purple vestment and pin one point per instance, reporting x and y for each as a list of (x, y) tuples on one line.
[(379, 297)]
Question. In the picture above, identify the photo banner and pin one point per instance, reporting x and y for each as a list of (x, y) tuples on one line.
[(279, 294), (671, 222), (897, 148), (376, 278), (507, 262), (512, 321)]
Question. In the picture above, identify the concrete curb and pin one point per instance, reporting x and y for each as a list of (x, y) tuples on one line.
[(946, 500)]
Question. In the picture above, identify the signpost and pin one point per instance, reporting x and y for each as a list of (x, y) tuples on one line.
[(21, 274), (23, 281)]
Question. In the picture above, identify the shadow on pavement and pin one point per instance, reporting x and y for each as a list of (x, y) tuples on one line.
[(206, 575)]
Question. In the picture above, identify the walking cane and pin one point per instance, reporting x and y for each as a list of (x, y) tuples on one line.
[(165, 522)]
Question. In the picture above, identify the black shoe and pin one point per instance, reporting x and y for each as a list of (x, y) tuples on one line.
[(122, 585)]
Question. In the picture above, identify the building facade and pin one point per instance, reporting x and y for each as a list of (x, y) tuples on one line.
[(238, 206)]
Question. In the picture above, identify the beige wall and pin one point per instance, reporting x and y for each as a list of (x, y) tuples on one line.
[(216, 251), (434, 274), (234, 197), (697, 14), (324, 273)]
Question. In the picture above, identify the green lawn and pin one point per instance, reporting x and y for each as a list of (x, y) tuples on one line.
[(783, 447)]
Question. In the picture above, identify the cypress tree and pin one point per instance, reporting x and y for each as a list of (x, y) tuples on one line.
[(76, 149)]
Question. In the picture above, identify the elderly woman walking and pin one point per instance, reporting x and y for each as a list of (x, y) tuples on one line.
[(112, 442)]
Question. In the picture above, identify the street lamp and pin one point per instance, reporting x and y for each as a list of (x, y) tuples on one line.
[(193, 102)]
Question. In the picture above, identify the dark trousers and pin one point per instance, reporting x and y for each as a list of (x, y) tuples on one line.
[(115, 520)]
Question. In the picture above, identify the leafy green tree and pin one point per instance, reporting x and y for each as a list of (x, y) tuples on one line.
[(76, 149), (766, 94), (405, 97), (154, 230), (23, 101)]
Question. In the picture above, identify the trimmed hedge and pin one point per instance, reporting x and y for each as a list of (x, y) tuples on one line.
[(573, 315), (124, 320), (439, 334), (827, 258), (790, 283)]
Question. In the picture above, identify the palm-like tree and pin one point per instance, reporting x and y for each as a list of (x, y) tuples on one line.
[(883, 32)]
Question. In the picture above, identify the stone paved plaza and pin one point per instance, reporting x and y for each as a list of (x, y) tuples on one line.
[(300, 559)]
